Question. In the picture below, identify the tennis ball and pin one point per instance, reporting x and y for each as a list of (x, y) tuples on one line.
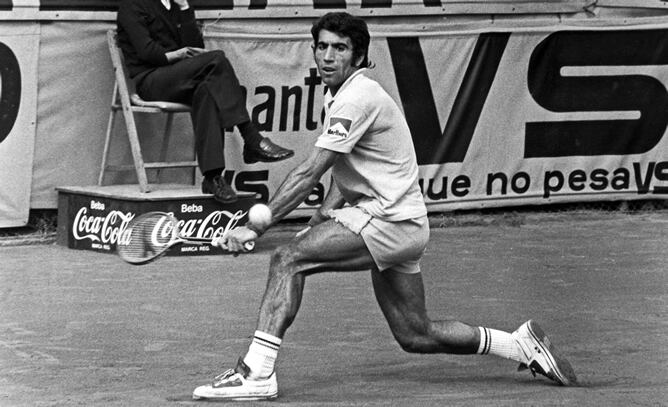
[(260, 215)]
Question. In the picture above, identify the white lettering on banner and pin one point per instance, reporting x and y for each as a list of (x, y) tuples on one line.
[(185, 208), (214, 225), (100, 228), (208, 228), (113, 227), (97, 205), (162, 232)]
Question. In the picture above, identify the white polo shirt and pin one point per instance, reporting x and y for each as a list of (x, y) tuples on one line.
[(378, 171)]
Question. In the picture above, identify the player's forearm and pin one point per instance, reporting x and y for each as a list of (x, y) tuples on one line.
[(300, 182), (296, 187)]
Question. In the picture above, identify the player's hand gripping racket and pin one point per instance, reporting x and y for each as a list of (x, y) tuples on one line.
[(150, 235)]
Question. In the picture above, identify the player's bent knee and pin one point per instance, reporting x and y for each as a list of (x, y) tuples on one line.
[(289, 259), (414, 340), (283, 259), (411, 344)]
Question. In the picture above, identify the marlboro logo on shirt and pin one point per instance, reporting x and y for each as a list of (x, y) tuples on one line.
[(339, 126)]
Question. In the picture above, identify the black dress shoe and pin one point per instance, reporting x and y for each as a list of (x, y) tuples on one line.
[(266, 151), (220, 189)]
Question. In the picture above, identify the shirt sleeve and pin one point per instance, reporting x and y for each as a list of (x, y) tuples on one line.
[(346, 124), (133, 17), (189, 31)]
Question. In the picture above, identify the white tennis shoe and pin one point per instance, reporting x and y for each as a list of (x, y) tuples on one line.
[(234, 385), (541, 356)]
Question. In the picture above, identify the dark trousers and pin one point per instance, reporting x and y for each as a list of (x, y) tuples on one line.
[(208, 83)]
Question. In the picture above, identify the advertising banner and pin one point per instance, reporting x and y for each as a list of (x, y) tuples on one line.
[(18, 96), (99, 222), (497, 118), (501, 113)]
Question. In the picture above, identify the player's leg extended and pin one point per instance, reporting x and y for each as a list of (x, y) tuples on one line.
[(401, 298)]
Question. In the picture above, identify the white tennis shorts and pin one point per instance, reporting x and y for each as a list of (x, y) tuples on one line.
[(396, 245)]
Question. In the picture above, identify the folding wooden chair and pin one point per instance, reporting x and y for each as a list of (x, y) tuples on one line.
[(125, 99)]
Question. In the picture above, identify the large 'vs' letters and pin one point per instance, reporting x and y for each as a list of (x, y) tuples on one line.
[(431, 145), (559, 93), (549, 88), (10, 90)]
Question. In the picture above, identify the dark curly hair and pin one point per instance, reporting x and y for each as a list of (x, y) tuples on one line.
[(346, 25)]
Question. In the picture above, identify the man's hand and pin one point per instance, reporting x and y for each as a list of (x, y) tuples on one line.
[(235, 239), (183, 53), (183, 4)]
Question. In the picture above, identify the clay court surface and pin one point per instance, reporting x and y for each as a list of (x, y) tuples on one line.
[(79, 328)]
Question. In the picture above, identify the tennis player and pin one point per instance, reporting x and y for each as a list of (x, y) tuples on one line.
[(373, 218)]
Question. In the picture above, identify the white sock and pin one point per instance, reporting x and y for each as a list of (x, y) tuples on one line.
[(499, 343), (262, 354)]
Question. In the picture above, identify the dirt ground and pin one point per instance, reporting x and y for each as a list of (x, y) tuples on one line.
[(79, 328)]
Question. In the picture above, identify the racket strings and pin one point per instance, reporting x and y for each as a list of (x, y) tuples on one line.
[(147, 237)]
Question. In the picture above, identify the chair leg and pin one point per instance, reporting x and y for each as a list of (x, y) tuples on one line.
[(194, 169), (135, 147), (165, 141), (107, 137)]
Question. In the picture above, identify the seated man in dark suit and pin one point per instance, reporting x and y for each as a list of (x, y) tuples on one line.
[(165, 56)]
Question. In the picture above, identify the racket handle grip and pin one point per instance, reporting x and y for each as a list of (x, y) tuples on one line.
[(249, 245)]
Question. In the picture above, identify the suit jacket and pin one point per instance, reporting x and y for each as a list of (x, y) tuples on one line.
[(147, 30)]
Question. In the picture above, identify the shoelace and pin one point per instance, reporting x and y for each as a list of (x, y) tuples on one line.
[(225, 375)]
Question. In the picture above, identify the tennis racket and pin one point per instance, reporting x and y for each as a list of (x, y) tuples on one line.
[(150, 235)]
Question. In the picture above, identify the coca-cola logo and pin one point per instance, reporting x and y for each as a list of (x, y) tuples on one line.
[(215, 224), (112, 228), (162, 232), (103, 229)]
